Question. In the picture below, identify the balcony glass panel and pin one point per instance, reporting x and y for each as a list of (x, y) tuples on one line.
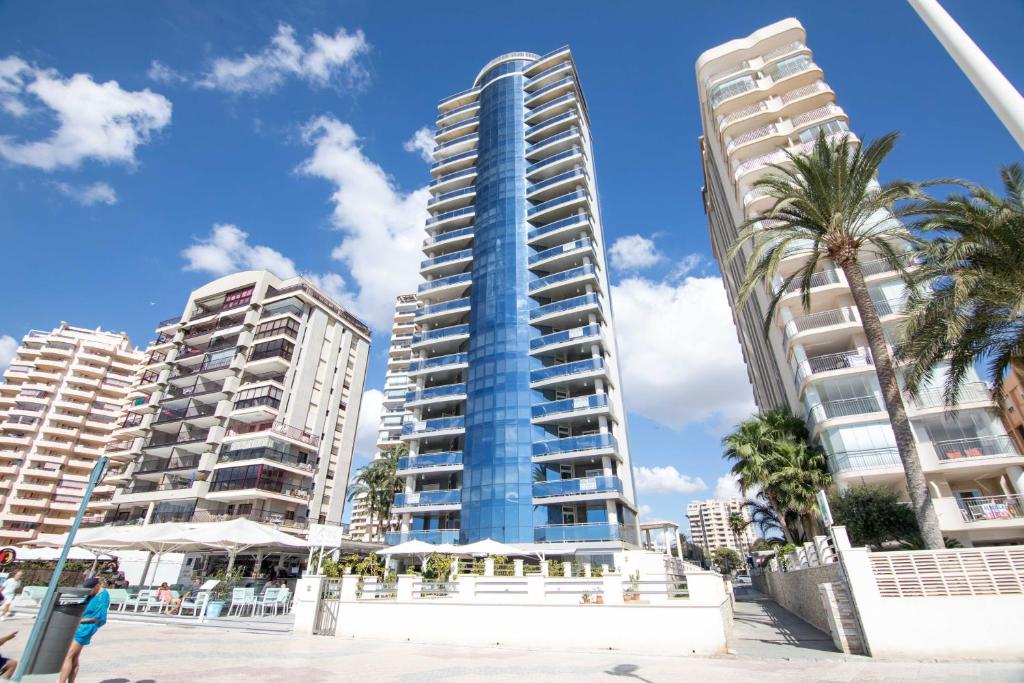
[(564, 275), (978, 447), (573, 368), (411, 462), (557, 67), (565, 305), (445, 281), (867, 459), (463, 122), (550, 105), (465, 107), (577, 219), (570, 405), (574, 487), (444, 497), (554, 138), (269, 453), (442, 307), (557, 84), (565, 533), (561, 249), (565, 336), (553, 120), (451, 195), (440, 333), (452, 159), (435, 536), (451, 214), (456, 141), (436, 392), (552, 159), (574, 443), (438, 361), (435, 425), (970, 392), (447, 236), (445, 258)]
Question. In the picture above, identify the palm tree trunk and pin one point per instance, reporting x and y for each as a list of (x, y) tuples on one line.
[(917, 485)]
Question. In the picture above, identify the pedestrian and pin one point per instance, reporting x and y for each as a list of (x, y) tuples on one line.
[(94, 617), (7, 666), (10, 587)]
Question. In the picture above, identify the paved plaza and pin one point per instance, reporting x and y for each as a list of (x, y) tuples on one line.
[(134, 651)]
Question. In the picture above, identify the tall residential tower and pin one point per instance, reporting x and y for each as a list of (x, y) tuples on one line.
[(764, 95), (246, 406), (519, 432)]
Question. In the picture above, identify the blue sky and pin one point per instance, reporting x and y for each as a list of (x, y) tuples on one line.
[(234, 151)]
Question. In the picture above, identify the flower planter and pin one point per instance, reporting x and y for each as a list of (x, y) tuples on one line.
[(214, 609)]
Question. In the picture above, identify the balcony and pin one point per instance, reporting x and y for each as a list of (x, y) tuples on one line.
[(458, 110), (546, 73), (570, 533), (895, 306), (447, 460), (440, 333), (462, 255), (437, 362), (162, 439), (886, 458), (444, 131), (436, 394), (449, 307), (167, 483), (434, 536), (844, 407), (580, 404), (457, 159), (447, 216), (454, 194), (179, 462), (550, 230), (560, 118), (989, 508), (267, 452), (433, 426), (442, 282), (428, 498), (816, 321), (591, 300), (572, 336), (583, 486), (568, 156), (833, 362), (192, 410), (568, 137), (822, 278), (587, 365), (587, 443), (167, 323), (976, 447), (588, 271), (462, 234), (261, 483), (553, 107), (971, 392), (549, 92)]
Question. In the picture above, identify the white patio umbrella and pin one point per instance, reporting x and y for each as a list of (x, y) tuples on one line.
[(238, 535), (488, 547), (414, 547)]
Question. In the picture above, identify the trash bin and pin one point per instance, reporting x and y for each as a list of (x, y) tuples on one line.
[(59, 631)]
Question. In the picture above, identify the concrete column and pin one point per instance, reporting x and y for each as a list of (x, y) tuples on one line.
[(307, 596), (466, 587), (606, 465), (517, 567), (612, 589), (544, 568), (405, 587), (668, 543), (535, 589), (613, 513), (994, 87), (489, 566), (679, 547), (567, 569)]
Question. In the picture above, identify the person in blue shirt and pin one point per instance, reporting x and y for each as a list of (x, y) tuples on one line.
[(93, 618)]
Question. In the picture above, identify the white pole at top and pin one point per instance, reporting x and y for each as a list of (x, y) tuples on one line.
[(997, 90)]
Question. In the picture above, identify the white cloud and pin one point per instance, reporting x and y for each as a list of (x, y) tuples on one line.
[(326, 60), (686, 265), (644, 512), (95, 120), (369, 423), (666, 480), (227, 250), (161, 73), (422, 141), (681, 360), (382, 225), (87, 195), (728, 486), (8, 347), (633, 252)]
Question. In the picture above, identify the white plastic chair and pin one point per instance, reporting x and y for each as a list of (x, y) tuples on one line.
[(267, 600), (284, 600), (240, 598), (197, 604), (140, 600)]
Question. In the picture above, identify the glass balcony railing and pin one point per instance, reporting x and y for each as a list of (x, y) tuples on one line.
[(452, 176), (573, 444), (556, 202), (561, 249), (579, 219), (435, 536), (436, 392), (458, 110), (457, 141), (554, 138), (567, 533), (443, 307), (575, 334), (158, 439), (437, 424), (553, 159), (865, 459), (456, 96), (452, 195), (570, 405), (261, 482), (550, 105), (452, 159), (438, 362), (440, 333), (554, 180), (566, 369), (459, 124), (443, 497), (547, 72), (267, 453), (413, 462), (566, 305), (445, 282), (548, 88), (446, 258), (447, 236), (970, 392), (976, 447), (555, 278), (469, 210), (576, 487), (553, 120)]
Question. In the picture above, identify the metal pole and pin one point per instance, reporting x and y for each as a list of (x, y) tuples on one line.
[(46, 606), (997, 90)]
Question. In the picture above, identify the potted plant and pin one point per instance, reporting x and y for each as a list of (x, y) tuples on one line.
[(220, 593), (585, 599), (633, 593)]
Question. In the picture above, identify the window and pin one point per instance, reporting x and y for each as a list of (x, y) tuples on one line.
[(285, 326), (270, 349), (259, 396), (239, 297)]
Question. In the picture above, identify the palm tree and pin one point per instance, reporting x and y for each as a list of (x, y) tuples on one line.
[(975, 307), (829, 205), (737, 525), (378, 481)]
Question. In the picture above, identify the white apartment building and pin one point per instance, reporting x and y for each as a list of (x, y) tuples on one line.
[(394, 413), (246, 406), (59, 404), (710, 529), (762, 95)]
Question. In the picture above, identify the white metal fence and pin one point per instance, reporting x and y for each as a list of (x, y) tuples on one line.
[(941, 573)]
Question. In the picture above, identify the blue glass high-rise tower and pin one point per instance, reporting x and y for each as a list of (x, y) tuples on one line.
[(519, 431)]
